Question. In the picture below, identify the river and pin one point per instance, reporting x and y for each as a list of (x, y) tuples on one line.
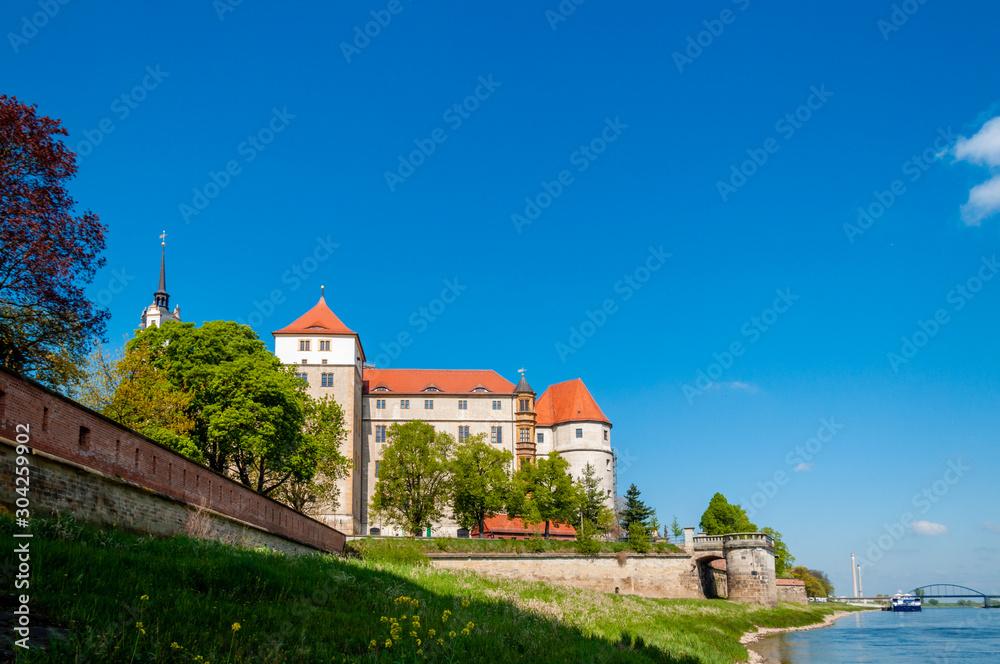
[(942, 635)]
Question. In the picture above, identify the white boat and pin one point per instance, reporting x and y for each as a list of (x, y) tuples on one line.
[(904, 602)]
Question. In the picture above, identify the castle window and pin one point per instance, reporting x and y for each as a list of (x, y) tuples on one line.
[(496, 434), (463, 434), (496, 404), (463, 404), (323, 361), (303, 377), (525, 436), (522, 405), (305, 361), (378, 467), (428, 404), (380, 404), (579, 433), (84, 438), (608, 462), (404, 404), (605, 434), (303, 344), (324, 344), (326, 380), (380, 433), (541, 438)]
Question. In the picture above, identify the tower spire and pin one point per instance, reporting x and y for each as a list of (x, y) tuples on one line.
[(160, 297)]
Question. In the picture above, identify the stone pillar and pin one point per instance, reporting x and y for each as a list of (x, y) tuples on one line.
[(689, 540), (750, 568)]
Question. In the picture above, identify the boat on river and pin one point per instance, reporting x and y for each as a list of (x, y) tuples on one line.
[(904, 602)]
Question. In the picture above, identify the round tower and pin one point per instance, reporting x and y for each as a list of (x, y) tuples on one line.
[(750, 568), (524, 421)]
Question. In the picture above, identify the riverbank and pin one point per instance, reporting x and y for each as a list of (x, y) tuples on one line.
[(750, 638)]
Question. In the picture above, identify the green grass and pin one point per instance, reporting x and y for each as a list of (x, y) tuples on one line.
[(475, 545), (127, 598)]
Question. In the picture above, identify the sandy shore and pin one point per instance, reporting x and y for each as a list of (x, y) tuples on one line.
[(754, 637)]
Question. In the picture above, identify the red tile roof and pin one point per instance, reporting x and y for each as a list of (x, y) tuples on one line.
[(447, 381), (569, 401), (790, 582), (502, 524), (318, 320)]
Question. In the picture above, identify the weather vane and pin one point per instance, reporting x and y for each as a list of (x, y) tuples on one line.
[(163, 238)]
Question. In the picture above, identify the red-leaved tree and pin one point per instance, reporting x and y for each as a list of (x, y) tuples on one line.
[(48, 254)]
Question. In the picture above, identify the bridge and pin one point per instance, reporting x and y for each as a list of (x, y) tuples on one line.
[(952, 591), (933, 591)]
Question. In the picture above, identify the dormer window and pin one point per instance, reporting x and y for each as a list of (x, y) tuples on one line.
[(431, 389), (381, 389), (303, 344)]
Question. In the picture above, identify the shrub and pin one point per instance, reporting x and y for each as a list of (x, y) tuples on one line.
[(585, 542), (389, 551), (638, 538), (534, 544)]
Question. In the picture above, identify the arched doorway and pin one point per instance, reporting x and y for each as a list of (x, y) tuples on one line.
[(712, 572)]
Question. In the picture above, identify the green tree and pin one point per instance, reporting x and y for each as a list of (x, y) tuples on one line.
[(415, 477), (250, 412), (824, 581), (593, 504), (324, 433), (480, 481), (721, 518), (638, 537), (654, 526), (783, 558), (635, 510), (546, 492), (124, 386), (675, 528), (814, 587)]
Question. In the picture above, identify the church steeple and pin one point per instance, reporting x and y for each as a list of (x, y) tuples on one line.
[(158, 312), (160, 297)]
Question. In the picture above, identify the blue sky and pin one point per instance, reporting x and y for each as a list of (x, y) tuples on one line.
[(260, 138)]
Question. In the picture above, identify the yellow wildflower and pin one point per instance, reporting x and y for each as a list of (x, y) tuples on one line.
[(465, 631), (431, 633), (420, 652), (470, 625), (144, 598), (384, 619), (451, 635), (440, 642), (388, 643), (372, 645), (176, 646), (138, 625), (413, 635), (236, 627), (465, 603)]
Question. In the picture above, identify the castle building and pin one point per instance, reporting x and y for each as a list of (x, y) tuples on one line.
[(159, 311), (330, 359)]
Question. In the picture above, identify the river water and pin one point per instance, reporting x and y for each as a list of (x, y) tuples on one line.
[(933, 636)]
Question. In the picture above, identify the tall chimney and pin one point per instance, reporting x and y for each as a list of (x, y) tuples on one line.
[(854, 575)]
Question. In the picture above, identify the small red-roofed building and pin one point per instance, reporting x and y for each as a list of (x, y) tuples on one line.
[(502, 527)]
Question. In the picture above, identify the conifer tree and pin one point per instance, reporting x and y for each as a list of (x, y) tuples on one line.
[(635, 511)]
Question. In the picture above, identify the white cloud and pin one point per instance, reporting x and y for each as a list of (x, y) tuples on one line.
[(982, 149), (984, 200), (930, 528), (991, 526), (803, 467), (734, 385)]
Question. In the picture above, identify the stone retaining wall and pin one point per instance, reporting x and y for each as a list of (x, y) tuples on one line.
[(649, 575)]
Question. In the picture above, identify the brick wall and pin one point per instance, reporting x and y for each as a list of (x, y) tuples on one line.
[(68, 432)]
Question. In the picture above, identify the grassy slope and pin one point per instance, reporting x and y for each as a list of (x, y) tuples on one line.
[(323, 609)]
